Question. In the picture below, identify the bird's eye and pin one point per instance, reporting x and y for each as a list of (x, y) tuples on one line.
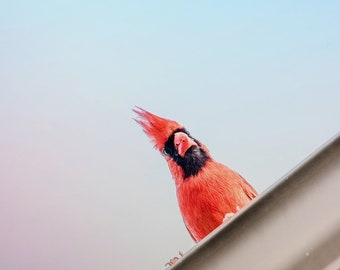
[(166, 151)]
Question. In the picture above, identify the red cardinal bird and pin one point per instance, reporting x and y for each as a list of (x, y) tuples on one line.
[(208, 192)]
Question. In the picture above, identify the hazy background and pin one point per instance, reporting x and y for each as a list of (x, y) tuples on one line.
[(81, 187)]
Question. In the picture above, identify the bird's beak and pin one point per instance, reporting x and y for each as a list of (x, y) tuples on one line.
[(183, 142)]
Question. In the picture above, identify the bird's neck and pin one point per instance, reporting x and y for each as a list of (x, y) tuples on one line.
[(178, 173)]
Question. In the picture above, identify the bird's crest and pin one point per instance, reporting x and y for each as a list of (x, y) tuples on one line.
[(157, 128)]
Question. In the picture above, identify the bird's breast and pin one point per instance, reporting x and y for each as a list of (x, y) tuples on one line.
[(202, 206), (206, 198)]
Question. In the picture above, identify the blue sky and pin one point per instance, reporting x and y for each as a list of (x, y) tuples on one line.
[(80, 185)]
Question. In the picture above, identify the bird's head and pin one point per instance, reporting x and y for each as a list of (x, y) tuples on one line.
[(174, 142)]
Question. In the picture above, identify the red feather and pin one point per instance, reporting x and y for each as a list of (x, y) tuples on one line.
[(206, 197), (157, 128)]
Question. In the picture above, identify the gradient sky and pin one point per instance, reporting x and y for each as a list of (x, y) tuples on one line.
[(81, 186)]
